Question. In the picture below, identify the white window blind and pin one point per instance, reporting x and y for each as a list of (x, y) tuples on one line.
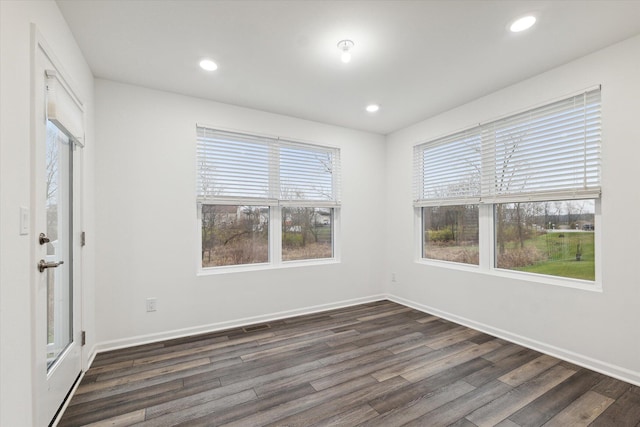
[(546, 153), (239, 168), (308, 174), (447, 170), (64, 109), (551, 152)]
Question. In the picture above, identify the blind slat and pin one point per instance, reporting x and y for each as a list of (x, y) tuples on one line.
[(549, 151), (241, 167)]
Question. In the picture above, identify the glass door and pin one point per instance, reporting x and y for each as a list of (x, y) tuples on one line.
[(58, 260)]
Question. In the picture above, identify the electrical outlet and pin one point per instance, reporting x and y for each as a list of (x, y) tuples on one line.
[(152, 304)]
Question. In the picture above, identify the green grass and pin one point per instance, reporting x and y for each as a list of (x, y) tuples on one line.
[(556, 255), (561, 255)]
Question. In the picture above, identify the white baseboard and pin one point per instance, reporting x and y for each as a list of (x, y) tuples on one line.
[(231, 324), (606, 368)]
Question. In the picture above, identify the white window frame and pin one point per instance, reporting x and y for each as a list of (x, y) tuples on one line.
[(275, 260), (487, 238)]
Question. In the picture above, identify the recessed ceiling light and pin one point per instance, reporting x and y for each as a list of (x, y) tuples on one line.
[(523, 23), (372, 108), (209, 65)]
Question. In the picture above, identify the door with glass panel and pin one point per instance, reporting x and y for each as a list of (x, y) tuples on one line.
[(56, 240)]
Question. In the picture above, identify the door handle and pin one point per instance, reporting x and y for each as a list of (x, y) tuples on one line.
[(44, 265)]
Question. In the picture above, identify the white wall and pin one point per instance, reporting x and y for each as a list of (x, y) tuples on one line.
[(147, 229), (16, 268), (599, 329)]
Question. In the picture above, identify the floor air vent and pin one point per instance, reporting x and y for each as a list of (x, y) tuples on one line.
[(256, 327)]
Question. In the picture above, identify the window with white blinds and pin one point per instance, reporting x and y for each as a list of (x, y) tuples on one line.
[(246, 169), (547, 153), (447, 171)]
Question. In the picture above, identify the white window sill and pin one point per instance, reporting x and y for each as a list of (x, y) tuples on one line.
[(209, 271), (566, 282)]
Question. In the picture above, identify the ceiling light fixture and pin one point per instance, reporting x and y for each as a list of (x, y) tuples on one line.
[(208, 65), (372, 108), (523, 23), (345, 46)]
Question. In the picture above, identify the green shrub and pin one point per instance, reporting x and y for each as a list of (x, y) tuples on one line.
[(292, 240), (444, 235)]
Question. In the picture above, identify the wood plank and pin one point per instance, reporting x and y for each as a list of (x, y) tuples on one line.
[(366, 369), (111, 406), (505, 351), (525, 393), (612, 387), (417, 408), (141, 385), (301, 404), (250, 339), (384, 314), (582, 411), (427, 319), (415, 391), (327, 337), (153, 373), (501, 367), (431, 357), (355, 398), (120, 420), (555, 400), (507, 423), (320, 372), (367, 348), (456, 359), (529, 370), (451, 338), (624, 412), (356, 416), (463, 405), (251, 407), (196, 411)]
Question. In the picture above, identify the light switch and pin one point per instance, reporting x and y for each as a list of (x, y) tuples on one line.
[(24, 221)]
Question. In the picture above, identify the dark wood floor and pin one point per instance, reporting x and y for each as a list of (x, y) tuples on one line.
[(377, 364)]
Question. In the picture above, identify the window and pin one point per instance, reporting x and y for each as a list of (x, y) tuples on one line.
[(554, 238), (265, 200), (307, 233), (450, 233), (448, 191), (234, 234), (532, 177)]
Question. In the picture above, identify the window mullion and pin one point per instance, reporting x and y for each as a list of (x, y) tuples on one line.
[(275, 234), (486, 237)]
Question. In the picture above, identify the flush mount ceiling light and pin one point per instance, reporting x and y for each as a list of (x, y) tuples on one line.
[(522, 24), (208, 65), (372, 108), (345, 46)]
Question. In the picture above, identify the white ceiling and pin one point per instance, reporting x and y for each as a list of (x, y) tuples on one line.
[(415, 58)]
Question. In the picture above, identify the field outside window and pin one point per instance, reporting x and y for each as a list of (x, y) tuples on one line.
[(555, 238)]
